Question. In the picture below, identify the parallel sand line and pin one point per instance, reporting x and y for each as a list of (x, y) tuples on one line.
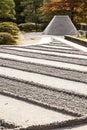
[(45, 97), (54, 47), (45, 56), (58, 43), (65, 51), (77, 87), (20, 49), (51, 53), (44, 69), (50, 50), (55, 50), (57, 64)]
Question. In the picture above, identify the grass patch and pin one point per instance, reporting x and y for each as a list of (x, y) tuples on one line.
[(81, 37)]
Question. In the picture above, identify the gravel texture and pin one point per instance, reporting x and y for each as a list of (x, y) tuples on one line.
[(56, 50), (55, 99), (47, 70), (52, 98), (58, 44), (45, 56)]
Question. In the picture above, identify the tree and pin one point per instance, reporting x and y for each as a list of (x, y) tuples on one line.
[(19, 9), (7, 10), (31, 12), (51, 8), (45, 1), (74, 8), (84, 12)]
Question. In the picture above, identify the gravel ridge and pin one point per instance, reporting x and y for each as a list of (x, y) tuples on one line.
[(46, 70), (52, 57), (60, 100), (30, 91), (55, 50)]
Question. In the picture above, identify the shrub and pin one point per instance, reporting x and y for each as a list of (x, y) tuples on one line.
[(28, 27), (9, 27), (6, 39)]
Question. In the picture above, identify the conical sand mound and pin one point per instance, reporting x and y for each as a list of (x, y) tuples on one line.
[(60, 25)]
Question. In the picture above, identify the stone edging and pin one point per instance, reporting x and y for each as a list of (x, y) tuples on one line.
[(76, 40)]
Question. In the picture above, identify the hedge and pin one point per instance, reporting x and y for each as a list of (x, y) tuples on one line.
[(6, 39), (9, 27), (29, 27)]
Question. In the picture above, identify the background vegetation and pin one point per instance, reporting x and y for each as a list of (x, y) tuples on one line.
[(42, 11)]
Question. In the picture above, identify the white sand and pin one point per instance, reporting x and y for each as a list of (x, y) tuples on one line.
[(46, 62), (33, 39), (57, 47), (38, 38), (27, 38), (46, 80), (50, 53), (25, 114)]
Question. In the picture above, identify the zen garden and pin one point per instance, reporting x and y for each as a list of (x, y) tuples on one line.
[(43, 64)]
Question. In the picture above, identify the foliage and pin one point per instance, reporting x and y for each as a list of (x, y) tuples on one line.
[(50, 9), (22, 5), (84, 13), (45, 1), (74, 8), (6, 39), (7, 10), (9, 27), (31, 12), (8, 33), (19, 9), (28, 27)]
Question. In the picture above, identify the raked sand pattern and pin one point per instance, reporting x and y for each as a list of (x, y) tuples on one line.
[(52, 75)]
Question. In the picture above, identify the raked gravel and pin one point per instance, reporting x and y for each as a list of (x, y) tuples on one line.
[(27, 72), (58, 99), (51, 57), (55, 50), (45, 62), (50, 53), (56, 47), (44, 69)]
